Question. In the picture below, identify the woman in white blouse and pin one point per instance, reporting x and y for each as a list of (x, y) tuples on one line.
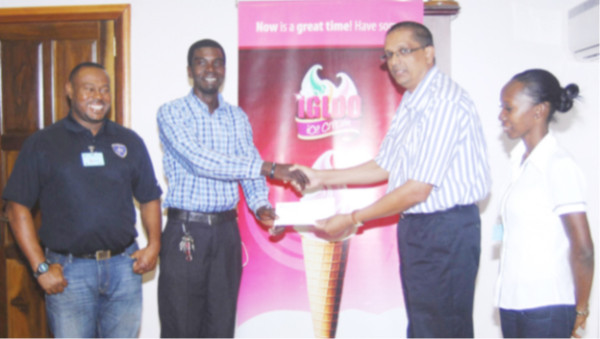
[(547, 256)]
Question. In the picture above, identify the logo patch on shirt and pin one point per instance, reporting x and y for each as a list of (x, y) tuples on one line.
[(120, 150)]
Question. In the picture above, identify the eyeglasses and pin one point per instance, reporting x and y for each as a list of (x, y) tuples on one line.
[(400, 53)]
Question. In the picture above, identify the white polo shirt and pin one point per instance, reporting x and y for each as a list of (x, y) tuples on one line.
[(535, 269)]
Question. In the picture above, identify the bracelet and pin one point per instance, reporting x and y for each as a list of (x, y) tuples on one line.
[(272, 173), (582, 313), (355, 221)]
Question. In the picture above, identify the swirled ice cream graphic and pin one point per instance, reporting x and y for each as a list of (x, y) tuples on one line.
[(325, 109)]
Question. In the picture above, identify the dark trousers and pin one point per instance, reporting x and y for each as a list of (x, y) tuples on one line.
[(439, 259), (544, 322), (198, 298)]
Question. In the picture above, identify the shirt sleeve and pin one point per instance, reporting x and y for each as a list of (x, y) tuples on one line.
[(389, 151), (24, 183), (255, 190), (145, 185), (383, 155), (179, 140), (256, 193), (567, 186)]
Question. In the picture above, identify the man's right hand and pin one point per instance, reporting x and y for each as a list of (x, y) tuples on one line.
[(284, 173), (311, 175), (53, 281)]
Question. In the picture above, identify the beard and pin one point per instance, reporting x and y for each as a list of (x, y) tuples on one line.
[(208, 91)]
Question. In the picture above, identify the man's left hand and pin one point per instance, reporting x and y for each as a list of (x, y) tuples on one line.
[(266, 215), (145, 259)]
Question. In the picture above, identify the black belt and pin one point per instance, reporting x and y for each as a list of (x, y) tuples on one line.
[(205, 218), (451, 209), (98, 255)]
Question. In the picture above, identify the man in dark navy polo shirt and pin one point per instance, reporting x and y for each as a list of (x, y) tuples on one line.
[(85, 171)]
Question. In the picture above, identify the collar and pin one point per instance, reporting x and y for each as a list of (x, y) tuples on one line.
[(540, 155), (413, 99), (72, 125), (194, 98)]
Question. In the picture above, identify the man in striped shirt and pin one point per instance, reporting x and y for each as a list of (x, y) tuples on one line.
[(434, 160), (209, 151)]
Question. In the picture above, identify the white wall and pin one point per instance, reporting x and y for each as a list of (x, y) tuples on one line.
[(491, 41)]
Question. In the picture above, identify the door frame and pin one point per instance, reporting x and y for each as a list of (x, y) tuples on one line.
[(120, 13)]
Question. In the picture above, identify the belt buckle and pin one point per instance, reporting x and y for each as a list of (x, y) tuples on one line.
[(102, 255)]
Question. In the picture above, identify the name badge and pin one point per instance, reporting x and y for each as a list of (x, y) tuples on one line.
[(92, 159), (498, 232)]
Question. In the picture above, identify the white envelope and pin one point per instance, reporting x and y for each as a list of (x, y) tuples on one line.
[(302, 213)]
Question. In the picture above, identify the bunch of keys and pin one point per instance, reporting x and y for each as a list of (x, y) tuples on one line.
[(186, 245)]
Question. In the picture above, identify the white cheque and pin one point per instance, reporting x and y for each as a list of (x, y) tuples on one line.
[(302, 213)]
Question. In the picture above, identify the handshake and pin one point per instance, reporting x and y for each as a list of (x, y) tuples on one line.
[(303, 179), (294, 174)]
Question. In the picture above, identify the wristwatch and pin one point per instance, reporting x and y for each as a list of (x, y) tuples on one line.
[(42, 268)]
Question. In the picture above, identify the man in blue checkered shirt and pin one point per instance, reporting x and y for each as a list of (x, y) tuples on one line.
[(208, 152)]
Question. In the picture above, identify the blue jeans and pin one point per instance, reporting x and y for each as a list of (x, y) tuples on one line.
[(103, 298), (542, 322)]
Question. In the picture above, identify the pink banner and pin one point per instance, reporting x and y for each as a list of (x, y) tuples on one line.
[(321, 23), (322, 98)]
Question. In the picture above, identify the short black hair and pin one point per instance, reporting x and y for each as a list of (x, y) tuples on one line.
[(84, 64), (203, 43), (420, 32)]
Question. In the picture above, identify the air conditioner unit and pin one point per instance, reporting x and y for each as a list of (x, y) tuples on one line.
[(583, 30)]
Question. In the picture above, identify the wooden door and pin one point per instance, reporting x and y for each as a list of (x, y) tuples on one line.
[(38, 49)]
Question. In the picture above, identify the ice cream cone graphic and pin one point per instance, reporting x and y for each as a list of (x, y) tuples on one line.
[(325, 265), (325, 262)]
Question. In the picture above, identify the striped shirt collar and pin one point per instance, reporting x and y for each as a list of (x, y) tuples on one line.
[(414, 98)]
